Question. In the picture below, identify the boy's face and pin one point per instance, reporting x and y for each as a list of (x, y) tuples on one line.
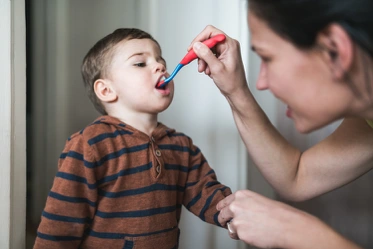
[(136, 68)]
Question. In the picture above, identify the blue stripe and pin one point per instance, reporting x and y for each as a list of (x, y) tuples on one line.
[(128, 244), (81, 131), (138, 191), (72, 177), (78, 156), (179, 148), (176, 167), (72, 154), (197, 166), (137, 213), (125, 172), (208, 202), (118, 153), (56, 217), (213, 183), (190, 184), (123, 235), (76, 178), (57, 238), (103, 136), (194, 200), (176, 134), (107, 157), (216, 220), (71, 199), (210, 172)]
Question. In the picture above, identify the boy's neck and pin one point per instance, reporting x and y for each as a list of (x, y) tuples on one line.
[(145, 123)]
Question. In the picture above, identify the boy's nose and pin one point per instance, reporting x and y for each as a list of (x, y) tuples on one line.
[(160, 67)]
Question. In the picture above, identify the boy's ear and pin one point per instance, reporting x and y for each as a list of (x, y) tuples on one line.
[(338, 49), (104, 90)]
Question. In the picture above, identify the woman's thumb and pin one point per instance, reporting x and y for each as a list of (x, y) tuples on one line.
[(203, 52)]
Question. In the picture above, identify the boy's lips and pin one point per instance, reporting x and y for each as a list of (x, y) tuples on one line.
[(163, 90), (161, 78)]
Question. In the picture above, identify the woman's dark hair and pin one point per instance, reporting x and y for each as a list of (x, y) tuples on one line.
[(299, 21)]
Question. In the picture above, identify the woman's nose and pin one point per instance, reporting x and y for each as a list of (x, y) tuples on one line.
[(262, 82)]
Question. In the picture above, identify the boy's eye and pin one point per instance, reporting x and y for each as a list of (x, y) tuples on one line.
[(140, 64)]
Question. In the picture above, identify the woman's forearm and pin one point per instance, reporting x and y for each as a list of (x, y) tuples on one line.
[(276, 159), (308, 232)]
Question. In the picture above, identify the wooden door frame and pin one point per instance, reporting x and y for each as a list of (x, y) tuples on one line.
[(13, 124)]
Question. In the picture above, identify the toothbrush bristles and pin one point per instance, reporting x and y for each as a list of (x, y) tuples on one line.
[(160, 84)]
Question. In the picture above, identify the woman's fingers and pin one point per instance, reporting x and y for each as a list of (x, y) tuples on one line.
[(231, 230), (206, 33), (206, 55), (225, 202)]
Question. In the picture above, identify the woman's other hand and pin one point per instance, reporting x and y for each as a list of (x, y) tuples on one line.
[(266, 223)]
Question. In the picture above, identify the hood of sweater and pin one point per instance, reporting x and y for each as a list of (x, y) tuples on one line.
[(159, 132)]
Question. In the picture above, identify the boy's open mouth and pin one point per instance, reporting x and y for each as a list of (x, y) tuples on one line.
[(161, 79)]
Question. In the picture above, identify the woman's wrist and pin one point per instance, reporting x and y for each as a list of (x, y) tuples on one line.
[(243, 104)]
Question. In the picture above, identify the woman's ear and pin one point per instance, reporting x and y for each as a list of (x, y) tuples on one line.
[(104, 90), (338, 49)]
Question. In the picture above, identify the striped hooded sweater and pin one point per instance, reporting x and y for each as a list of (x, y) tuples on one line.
[(116, 187)]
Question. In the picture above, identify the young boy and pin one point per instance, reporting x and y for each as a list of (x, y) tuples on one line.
[(122, 180)]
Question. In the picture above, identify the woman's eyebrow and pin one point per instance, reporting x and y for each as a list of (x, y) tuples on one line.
[(257, 49)]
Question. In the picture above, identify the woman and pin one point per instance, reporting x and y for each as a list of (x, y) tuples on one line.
[(317, 58)]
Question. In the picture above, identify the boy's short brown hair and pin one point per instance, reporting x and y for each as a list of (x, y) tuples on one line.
[(98, 59)]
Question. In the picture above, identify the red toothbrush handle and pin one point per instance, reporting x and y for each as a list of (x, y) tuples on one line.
[(190, 56)]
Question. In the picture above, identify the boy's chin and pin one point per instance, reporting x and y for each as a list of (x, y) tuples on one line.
[(163, 107)]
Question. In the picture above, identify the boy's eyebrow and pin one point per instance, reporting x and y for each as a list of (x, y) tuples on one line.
[(142, 53), (162, 59), (135, 54)]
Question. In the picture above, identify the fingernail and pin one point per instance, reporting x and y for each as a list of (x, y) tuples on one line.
[(197, 45)]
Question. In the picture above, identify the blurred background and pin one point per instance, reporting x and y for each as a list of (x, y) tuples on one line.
[(60, 33)]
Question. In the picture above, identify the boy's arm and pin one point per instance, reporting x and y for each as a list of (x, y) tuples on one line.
[(71, 203), (203, 190)]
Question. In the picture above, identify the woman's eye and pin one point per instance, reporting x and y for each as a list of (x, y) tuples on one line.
[(265, 59), (140, 64)]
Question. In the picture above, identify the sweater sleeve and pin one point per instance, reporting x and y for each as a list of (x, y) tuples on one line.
[(203, 190), (71, 202)]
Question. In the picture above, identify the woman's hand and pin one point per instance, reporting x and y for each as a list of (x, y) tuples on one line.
[(257, 220), (225, 67), (266, 223)]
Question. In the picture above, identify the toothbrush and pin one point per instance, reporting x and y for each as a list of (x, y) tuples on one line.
[(189, 57)]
